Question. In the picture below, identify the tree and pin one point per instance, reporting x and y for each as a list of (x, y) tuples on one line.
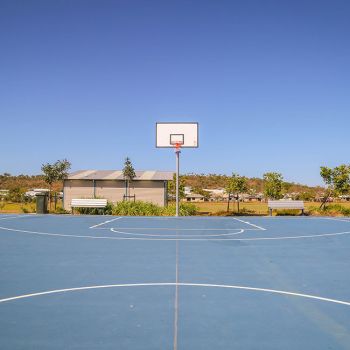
[(203, 192), (62, 168), (172, 187), (236, 184), (306, 196), (273, 185), (286, 186), (55, 172), (337, 181), (129, 175), (15, 194)]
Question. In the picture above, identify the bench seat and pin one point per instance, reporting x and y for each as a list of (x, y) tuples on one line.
[(285, 204), (88, 203)]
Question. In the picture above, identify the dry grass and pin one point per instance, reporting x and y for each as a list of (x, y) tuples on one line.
[(14, 208), (211, 208), (218, 207), (257, 208)]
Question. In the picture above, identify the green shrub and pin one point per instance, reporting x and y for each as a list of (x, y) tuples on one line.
[(140, 208), (24, 210), (331, 210), (60, 210), (15, 195), (288, 212), (246, 211), (312, 210), (345, 211), (96, 211), (242, 212), (137, 208), (185, 209), (335, 209)]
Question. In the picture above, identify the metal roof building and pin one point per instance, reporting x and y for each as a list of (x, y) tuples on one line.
[(148, 186)]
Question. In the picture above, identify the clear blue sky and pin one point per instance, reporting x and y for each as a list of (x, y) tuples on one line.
[(268, 81)]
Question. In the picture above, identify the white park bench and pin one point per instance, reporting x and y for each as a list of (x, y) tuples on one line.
[(285, 204), (88, 203)]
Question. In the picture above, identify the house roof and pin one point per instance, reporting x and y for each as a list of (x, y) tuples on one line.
[(194, 195), (118, 175)]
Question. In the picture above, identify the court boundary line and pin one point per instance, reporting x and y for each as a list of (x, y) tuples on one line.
[(179, 284), (12, 217), (174, 239), (8, 217), (336, 219)]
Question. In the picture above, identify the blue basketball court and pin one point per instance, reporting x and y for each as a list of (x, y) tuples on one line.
[(106, 282)]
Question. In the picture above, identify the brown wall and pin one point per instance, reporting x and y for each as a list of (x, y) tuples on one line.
[(113, 190), (148, 191), (76, 189)]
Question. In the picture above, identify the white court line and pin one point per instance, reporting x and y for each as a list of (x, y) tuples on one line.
[(176, 235), (303, 217), (289, 237), (336, 219), (177, 229), (179, 218), (106, 222), (175, 239), (8, 217), (13, 217), (103, 237), (176, 299), (179, 284), (248, 223)]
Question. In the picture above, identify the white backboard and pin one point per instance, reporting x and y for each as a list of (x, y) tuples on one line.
[(168, 133)]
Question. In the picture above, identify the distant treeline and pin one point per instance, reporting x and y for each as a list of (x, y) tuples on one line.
[(25, 182), (212, 181), (209, 181)]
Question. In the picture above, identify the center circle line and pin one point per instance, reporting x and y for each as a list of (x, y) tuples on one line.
[(180, 284), (167, 235)]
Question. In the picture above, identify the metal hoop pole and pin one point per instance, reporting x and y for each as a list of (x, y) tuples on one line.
[(177, 152)]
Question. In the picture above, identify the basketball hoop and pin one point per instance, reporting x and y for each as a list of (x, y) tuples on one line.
[(177, 146), (177, 140), (177, 136), (168, 134)]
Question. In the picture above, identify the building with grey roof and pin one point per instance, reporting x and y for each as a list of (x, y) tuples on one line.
[(148, 186)]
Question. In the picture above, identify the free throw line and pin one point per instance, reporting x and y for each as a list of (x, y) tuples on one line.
[(105, 222), (248, 223)]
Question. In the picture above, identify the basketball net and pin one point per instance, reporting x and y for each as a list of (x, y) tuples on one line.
[(177, 147)]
